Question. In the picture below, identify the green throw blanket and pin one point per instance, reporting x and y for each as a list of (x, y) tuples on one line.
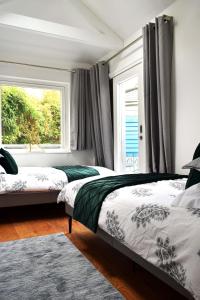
[(77, 172), (90, 197)]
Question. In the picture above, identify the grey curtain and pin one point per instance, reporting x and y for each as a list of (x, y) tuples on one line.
[(91, 122), (158, 50), (81, 136), (102, 134)]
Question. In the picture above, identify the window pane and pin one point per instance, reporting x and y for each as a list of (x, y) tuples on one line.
[(30, 116), (131, 129), (130, 140)]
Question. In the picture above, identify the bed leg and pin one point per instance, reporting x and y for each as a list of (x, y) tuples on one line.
[(70, 224)]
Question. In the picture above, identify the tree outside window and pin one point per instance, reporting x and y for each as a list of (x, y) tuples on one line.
[(30, 116)]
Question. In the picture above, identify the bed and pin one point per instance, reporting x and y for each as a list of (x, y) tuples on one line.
[(141, 222), (35, 185)]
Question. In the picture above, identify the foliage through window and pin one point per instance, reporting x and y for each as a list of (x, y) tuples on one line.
[(30, 117)]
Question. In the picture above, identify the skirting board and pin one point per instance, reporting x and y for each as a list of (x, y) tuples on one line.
[(28, 198), (137, 259)]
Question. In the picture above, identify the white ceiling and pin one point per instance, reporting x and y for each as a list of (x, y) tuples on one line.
[(54, 33), (125, 17)]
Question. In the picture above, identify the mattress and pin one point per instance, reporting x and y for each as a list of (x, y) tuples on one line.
[(142, 218)]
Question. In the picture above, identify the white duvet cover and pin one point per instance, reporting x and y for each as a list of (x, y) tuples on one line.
[(38, 179), (142, 218)]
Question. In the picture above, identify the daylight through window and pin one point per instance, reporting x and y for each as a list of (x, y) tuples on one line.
[(30, 117)]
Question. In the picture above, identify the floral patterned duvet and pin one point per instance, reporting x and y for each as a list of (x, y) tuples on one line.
[(33, 179), (142, 218), (38, 179)]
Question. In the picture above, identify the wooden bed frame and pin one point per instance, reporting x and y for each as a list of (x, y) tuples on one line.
[(133, 256), (28, 198)]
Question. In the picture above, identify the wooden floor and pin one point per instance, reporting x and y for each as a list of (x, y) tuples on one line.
[(133, 283)]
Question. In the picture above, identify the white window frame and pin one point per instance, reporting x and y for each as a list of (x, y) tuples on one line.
[(118, 119), (65, 110)]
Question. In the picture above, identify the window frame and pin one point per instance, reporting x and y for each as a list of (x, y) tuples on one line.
[(65, 111)]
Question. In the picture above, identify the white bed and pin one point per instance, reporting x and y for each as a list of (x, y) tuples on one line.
[(34, 185), (143, 219), (31, 179)]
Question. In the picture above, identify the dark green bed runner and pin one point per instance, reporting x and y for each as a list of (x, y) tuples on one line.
[(77, 172), (90, 197)]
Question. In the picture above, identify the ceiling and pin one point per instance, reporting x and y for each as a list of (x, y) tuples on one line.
[(125, 17), (63, 32)]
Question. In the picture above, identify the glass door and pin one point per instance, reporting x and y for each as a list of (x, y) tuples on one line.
[(128, 117)]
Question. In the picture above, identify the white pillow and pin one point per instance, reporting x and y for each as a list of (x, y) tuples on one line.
[(189, 198), (194, 164)]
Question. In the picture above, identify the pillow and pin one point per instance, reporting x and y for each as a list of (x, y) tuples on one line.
[(194, 164), (189, 198), (194, 175), (8, 162), (197, 152)]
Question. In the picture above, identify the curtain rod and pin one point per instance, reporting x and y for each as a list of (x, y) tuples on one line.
[(166, 18), (37, 66), (126, 47)]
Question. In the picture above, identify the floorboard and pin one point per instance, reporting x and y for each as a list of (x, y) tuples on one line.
[(132, 281)]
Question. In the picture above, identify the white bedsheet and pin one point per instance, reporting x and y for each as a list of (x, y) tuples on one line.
[(38, 179), (142, 218)]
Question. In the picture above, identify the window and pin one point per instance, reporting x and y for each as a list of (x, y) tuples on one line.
[(128, 118), (131, 124), (32, 117)]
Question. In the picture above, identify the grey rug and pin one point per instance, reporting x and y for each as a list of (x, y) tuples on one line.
[(49, 267)]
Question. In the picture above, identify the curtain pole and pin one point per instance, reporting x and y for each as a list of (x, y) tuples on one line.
[(36, 66)]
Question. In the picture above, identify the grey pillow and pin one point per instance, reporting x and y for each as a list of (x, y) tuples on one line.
[(194, 164)]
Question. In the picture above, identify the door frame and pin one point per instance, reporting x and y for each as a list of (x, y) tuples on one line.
[(117, 118)]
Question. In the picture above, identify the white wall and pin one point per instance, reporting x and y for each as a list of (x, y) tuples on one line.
[(44, 159), (60, 78), (186, 15), (128, 58)]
